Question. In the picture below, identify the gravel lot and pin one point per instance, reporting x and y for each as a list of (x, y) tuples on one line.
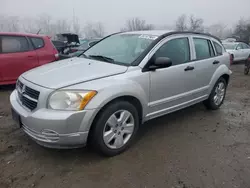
[(187, 149)]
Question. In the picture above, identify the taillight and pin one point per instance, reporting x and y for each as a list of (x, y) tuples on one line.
[(57, 56), (231, 59)]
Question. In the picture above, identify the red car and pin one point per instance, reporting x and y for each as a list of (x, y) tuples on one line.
[(22, 52)]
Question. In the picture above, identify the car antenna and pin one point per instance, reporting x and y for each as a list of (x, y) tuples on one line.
[(38, 31)]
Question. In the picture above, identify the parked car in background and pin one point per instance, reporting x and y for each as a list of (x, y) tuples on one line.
[(239, 51), (76, 51), (65, 42), (21, 52), (126, 79), (83, 47)]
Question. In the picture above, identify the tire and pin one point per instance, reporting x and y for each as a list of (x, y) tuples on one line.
[(103, 127), (247, 66), (232, 57), (246, 70), (211, 103)]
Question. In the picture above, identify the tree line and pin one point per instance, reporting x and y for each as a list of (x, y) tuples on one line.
[(44, 24)]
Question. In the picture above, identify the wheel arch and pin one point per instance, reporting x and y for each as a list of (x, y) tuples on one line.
[(129, 98), (222, 71)]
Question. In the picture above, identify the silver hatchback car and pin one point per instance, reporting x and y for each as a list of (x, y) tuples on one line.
[(103, 96)]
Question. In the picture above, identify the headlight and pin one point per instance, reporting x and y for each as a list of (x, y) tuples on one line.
[(70, 100)]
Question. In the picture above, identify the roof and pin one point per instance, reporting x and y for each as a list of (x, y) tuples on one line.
[(230, 42), (150, 32), (21, 34), (164, 33)]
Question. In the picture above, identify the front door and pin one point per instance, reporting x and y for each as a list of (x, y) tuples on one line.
[(17, 56), (172, 88)]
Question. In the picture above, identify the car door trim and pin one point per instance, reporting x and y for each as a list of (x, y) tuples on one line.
[(176, 97), (175, 107)]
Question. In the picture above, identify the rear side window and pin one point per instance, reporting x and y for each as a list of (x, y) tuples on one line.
[(37, 42), (176, 49), (245, 46), (13, 44), (218, 48), (203, 48)]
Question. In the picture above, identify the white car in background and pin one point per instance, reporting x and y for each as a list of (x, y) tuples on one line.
[(239, 50)]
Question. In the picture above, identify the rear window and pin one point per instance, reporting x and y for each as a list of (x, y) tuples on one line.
[(13, 44), (245, 46), (230, 46), (218, 48), (203, 48), (37, 42)]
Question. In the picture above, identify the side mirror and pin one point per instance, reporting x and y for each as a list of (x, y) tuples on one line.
[(161, 62)]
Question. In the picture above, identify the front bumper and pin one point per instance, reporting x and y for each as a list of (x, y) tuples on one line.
[(54, 129)]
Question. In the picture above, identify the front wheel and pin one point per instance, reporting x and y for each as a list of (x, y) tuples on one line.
[(115, 128), (217, 96)]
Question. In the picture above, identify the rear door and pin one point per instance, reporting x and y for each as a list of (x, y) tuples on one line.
[(205, 63), (17, 56), (44, 49)]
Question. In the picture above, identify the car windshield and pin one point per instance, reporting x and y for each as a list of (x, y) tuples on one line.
[(121, 48), (229, 46)]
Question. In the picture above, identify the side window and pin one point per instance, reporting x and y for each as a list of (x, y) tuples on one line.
[(218, 48), (176, 49), (12, 44), (37, 42), (239, 47), (203, 48), (245, 46)]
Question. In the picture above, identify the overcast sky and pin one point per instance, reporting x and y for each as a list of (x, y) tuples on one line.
[(114, 13)]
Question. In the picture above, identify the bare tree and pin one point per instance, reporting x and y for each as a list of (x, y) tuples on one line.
[(242, 30), (191, 24), (94, 30), (61, 26), (29, 25), (137, 24), (76, 26), (9, 23), (220, 30), (181, 23), (44, 22), (196, 24)]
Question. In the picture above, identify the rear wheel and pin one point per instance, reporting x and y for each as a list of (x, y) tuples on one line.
[(217, 96), (115, 128), (246, 70), (247, 66)]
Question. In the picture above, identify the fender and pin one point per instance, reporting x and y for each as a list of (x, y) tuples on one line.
[(119, 88), (221, 70)]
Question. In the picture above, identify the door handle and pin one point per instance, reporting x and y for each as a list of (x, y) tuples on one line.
[(216, 62), (189, 68)]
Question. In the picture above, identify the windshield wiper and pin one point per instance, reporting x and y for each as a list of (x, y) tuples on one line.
[(103, 58)]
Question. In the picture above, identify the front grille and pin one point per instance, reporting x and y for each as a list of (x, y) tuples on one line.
[(32, 93), (27, 96)]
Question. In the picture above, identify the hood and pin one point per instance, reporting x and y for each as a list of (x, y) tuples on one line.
[(69, 36), (71, 71)]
